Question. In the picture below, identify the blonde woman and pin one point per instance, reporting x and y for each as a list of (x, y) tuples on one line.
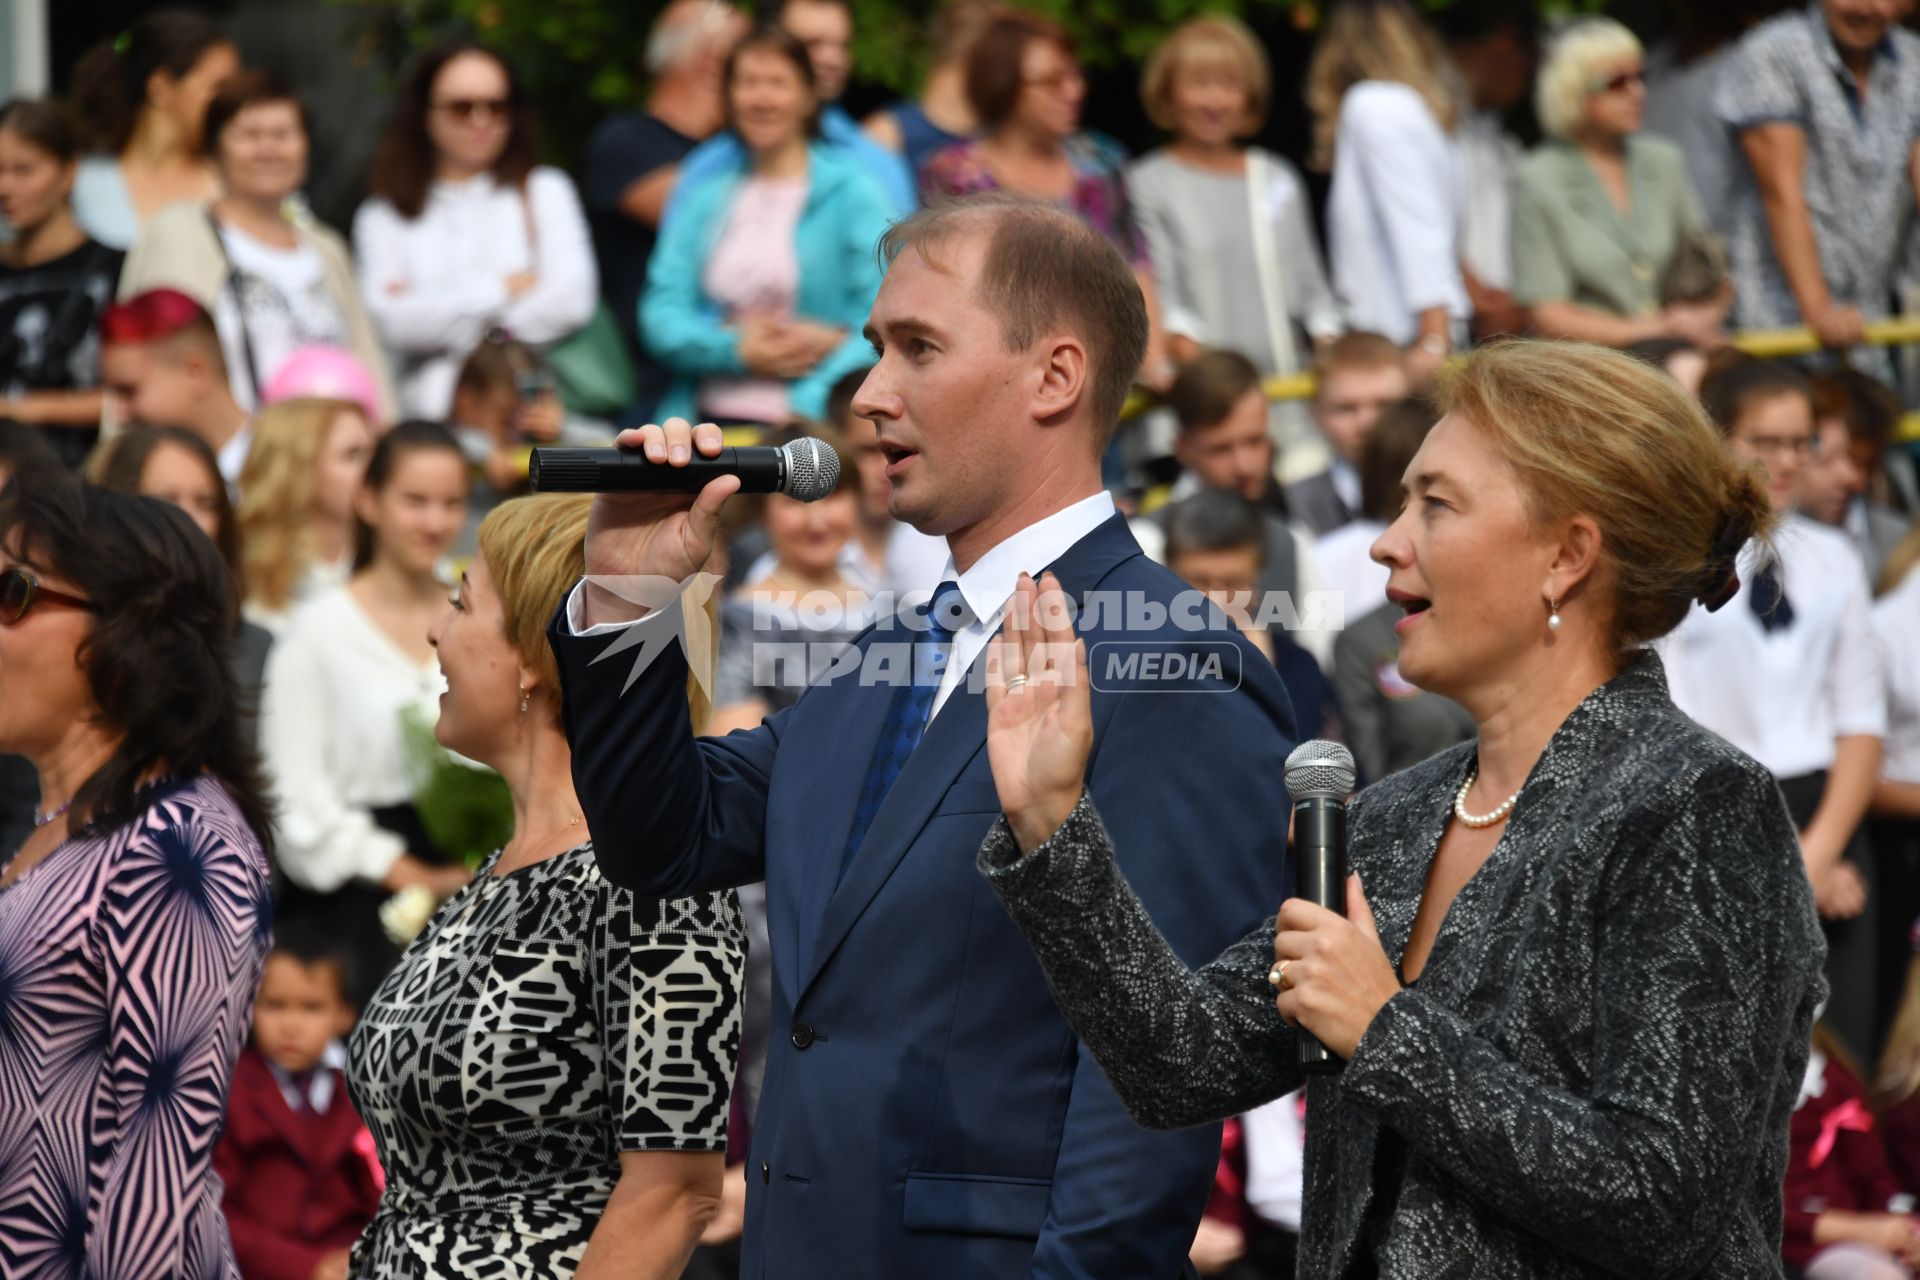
[(1602, 210), (582, 1133), (1220, 215), (1384, 115), (1576, 976), (296, 513)]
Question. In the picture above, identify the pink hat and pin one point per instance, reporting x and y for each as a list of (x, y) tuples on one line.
[(324, 373)]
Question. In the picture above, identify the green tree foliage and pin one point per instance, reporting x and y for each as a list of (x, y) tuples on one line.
[(582, 57)]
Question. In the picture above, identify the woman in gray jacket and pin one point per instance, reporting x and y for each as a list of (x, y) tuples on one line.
[(1574, 984)]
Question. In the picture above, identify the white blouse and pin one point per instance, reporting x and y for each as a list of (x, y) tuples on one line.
[(330, 731), (1394, 213), (434, 285), (1896, 623), (1784, 696)]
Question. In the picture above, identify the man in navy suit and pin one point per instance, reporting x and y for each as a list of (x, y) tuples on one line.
[(926, 1112)]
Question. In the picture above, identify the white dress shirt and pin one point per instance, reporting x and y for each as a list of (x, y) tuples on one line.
[(989, 584), (330, 716), (1275, 1141), (1347, 566), (436, 283), (1783, 697), (986, 587), (1896, 623), (1394, 213)]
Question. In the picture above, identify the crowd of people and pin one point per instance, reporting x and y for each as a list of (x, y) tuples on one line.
[(256, 748)]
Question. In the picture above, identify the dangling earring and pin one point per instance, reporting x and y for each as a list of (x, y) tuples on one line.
[(524, 695), (1553, 619)]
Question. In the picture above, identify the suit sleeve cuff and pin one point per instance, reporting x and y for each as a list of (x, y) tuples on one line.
[(577, 615)]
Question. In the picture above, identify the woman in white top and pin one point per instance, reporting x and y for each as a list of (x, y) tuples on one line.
[(1229, 227), (274, 280), (142, 99), (1384, 115), (305, 467), (464, 233), (1789, 672), (348, 668)]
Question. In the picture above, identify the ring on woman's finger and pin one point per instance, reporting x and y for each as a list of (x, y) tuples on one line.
[(1016, 682), (1277, 976)]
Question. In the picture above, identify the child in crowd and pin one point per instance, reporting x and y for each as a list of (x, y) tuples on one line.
[(300, 1175), (1223, 444), (1848, 1216), (1357, 377), (1215, 542)]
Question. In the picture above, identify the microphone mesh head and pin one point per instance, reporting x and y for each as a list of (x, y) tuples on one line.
[(1320, 770), (813, 469)]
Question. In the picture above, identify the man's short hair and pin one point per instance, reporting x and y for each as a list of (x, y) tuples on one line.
[(1209, 387), (840, 397), (1357, 350), (1045, 270), (1870, 408), (682, 30), (1215, 520), (164, 317)]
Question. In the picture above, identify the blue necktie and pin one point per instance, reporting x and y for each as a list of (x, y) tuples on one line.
[(1769, 600), (907, 716)]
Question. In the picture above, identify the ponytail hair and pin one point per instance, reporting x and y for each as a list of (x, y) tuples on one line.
[(110, 82)]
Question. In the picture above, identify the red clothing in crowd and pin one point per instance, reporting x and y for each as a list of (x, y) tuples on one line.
[(1835, 1162), (298, 1185), (1900, 1134)]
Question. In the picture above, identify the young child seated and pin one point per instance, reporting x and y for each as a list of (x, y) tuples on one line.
[(299, 1168)]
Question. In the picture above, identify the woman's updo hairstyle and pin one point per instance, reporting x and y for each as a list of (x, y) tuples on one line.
[(1596, 432)]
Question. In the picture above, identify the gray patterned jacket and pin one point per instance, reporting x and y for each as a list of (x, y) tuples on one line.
[(1592, 1075)]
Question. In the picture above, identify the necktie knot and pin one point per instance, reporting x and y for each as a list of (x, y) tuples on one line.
[(1769, 599)]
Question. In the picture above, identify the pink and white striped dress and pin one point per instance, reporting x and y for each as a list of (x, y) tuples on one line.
[(128, 967)]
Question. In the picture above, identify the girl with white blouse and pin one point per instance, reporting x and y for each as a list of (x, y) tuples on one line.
[(1790, 673), (465, 233), (350, 666), (1384, 120)]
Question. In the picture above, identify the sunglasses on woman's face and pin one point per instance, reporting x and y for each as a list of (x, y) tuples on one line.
[(475, 108), (20, 591), (1624, 81)]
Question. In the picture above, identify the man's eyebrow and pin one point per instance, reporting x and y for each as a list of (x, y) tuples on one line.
[(907, 326)]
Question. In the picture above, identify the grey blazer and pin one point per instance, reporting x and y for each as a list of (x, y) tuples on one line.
[(1593, 1074), (1317, 504)]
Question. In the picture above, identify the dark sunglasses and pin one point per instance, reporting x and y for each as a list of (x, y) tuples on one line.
[(1622, 82), (20, 591), (469, 108)]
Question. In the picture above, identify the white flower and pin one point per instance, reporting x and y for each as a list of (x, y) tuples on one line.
[(406, 913)]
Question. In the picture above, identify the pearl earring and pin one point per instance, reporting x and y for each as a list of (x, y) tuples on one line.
[(524, 695), (1553, 617)]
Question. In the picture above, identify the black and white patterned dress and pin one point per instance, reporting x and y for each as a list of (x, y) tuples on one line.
[(542, 1023)]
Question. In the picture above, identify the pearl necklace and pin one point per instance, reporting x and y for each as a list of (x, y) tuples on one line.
[(1479, 820), (42, 819)]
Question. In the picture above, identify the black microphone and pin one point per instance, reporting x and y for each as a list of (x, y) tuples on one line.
[(1320, 778), (807, 469)]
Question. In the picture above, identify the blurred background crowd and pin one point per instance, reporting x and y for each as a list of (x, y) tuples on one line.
[(336, 360)]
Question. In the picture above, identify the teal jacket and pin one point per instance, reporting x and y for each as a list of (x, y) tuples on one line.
[(837, 244)]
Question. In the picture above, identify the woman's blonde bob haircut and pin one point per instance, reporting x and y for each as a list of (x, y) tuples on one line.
[(1576, 60), (1213, 43), (1595, 432), (535, 549), (275, 515), (1375, 40)]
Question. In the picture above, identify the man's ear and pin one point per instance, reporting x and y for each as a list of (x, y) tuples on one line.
[(1064, 374)]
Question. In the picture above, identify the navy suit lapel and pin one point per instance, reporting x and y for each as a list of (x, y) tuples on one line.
[(849, 728), (953, 738)]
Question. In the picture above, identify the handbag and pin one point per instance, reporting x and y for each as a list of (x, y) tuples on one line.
[(1697, 269), (592, 368)]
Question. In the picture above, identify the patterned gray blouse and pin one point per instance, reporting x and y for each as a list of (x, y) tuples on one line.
[(1592, 1075)]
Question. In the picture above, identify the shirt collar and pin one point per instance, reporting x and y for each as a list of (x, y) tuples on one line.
[(988, 585), (1830, 52)]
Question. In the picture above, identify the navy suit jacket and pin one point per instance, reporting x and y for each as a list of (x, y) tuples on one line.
[(927, 1112)]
